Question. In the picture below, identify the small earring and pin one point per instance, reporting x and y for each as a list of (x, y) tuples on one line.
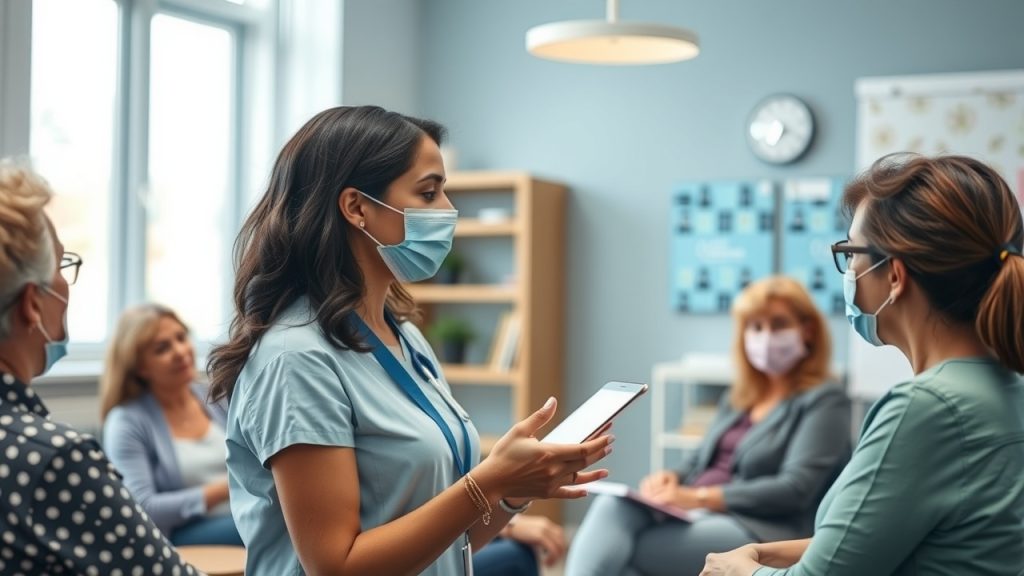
[(362, 223)]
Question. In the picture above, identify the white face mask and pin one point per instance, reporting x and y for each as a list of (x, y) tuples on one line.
[(774, 353)]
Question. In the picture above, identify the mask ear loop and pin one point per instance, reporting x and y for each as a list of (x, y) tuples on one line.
[(362, 223), (866, 272), (362, 227), (39, 323), (392, 208), (42, 331), (889, 300)]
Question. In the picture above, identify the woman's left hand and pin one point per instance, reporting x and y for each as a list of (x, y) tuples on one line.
[(742, 561)]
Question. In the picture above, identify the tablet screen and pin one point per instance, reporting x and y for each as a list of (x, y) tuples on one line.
[(597, 411)]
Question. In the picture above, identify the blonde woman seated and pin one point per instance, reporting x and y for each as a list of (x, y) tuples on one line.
[(160, 432), (776, 444)]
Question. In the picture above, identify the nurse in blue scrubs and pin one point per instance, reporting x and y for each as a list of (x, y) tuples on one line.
[(347, 453), (932, 266)]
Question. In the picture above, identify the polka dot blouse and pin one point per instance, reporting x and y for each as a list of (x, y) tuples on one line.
[(63, 509)]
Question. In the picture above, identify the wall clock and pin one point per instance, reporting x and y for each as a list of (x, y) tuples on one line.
[(780, 129)]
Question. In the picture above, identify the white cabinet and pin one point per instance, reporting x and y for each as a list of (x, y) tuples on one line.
[(702, 379)]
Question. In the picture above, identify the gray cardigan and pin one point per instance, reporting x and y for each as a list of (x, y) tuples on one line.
[(138, 441), (785, 463)]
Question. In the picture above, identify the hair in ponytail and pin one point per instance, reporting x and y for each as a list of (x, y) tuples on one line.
[(1000, 320)]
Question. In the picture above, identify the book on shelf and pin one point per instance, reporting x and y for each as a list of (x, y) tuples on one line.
[(505, 347), (624, 491), (497, 341)]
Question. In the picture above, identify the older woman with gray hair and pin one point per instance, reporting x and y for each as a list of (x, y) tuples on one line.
[(63, 509)]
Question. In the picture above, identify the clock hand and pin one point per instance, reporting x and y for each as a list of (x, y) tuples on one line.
[(774, 133)]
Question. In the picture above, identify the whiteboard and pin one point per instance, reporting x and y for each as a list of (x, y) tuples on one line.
[(979, 114)]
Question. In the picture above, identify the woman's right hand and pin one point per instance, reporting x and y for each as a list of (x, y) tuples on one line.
[(520, 466), (659, 483), (215, 492)]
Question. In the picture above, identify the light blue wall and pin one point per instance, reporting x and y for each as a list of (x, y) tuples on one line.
[(381, 39), (620, 137)]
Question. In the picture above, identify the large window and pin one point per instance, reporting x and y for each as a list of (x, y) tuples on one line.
[(72, 130), (191, 175), (137, 120)]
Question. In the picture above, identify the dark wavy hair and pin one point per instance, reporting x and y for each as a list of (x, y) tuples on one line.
[(295, 241)]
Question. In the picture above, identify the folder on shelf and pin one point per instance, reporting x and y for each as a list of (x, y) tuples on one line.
[(624, 491), (498, 341)]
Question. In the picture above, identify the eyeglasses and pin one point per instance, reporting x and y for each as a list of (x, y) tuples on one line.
[(69, 265), (843, 251)]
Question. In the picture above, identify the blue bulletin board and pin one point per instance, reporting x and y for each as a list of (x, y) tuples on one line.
[(726, 234), (722, 239), (812, 220)]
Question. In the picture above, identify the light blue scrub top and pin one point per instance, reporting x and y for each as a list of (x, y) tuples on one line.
[(298, 389)]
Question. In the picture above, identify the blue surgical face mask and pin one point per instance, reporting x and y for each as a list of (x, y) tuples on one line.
[(55, 349), (428, 239), (864, 324)]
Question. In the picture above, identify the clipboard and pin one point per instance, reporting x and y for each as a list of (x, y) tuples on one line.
[(624, 491)]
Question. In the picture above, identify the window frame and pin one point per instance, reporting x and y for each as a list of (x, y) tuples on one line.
[(254, 37)]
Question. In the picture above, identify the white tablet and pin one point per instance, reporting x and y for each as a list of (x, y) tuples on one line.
[(595, 413)]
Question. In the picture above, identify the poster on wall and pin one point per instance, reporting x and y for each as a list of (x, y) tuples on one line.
[(722, 239), (979, 114), (812, 220)]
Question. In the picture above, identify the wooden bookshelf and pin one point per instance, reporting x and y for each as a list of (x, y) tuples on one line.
[(536, 229), (438, 293), (481, 375), (473, 227)]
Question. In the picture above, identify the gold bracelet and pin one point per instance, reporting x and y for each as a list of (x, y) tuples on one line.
[(478, 498)]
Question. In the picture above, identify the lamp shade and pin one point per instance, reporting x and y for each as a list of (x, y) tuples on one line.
[(610, 42)]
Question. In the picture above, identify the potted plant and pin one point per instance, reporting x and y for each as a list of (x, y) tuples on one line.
[(451, 269), (452, 335)]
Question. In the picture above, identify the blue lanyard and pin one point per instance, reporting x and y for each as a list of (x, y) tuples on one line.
[(405, 381)]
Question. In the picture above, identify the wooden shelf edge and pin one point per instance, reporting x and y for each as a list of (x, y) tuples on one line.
[(462, 292), (474, 227), (471, 180)]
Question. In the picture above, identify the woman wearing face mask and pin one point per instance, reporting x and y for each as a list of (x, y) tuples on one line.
[(347, 453), (932, 266), (778, 440), (63, 509), (161, 433)]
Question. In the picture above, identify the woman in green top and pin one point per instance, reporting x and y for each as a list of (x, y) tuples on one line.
[(936, 483)]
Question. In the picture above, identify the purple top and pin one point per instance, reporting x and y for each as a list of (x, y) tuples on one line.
[(719, 471)]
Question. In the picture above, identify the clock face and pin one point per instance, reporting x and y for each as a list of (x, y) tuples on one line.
[(780, 129)]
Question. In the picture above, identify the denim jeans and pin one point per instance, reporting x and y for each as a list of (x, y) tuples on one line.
[(207, 530), (503, 557)]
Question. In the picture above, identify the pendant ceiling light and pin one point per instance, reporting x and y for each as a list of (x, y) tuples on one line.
[(611, 42)]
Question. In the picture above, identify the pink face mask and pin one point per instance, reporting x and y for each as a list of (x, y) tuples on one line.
[(774, 353)]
